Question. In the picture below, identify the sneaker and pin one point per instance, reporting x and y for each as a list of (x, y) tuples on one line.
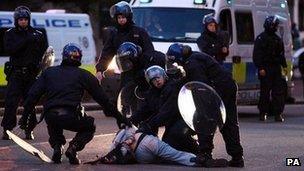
[(236, 162), (5, 136), (29, 135), (278, 118), (71, 154), (263, 117), (58, 150)]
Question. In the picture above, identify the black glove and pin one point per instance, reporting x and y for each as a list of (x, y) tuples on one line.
[(122, 122), (145, 128)]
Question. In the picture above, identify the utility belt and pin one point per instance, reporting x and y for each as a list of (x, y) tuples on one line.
[(22, 70), (62, 111)]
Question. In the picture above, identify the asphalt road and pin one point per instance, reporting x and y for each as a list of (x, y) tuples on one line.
[(266, 145)]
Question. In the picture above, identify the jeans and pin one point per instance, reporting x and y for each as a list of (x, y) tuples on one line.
[(150, 149)]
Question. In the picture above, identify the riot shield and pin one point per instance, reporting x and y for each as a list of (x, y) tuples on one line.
[(47, 59), (28, 147), (199, 102)]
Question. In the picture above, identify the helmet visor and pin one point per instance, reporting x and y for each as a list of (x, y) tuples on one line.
[(124, 62)]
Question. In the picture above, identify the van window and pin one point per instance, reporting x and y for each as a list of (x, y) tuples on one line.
[(171, 24), (225, 22), (2, 32), (244, 27)]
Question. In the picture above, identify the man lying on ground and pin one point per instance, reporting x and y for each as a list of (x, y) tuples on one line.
[(130, 146)]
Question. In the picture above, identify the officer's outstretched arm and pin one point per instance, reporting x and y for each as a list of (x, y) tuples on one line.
[(106, 55), (91, 84)]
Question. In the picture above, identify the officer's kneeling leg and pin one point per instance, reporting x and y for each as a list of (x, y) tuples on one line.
[(179, 136), (205, 130), (85, 129)]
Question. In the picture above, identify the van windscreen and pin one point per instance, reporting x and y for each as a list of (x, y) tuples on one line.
[(171, 24)]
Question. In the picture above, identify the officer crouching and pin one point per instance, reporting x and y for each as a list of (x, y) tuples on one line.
[(63, 87)]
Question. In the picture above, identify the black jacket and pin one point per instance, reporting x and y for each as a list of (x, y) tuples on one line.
[(160, 106), (212, 44), (204, 68), (132, 34), (64, 86), (25, 47), (268, 51)]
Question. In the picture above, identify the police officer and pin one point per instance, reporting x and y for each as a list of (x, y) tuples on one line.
[(64, 87), (125, 31), (26, 46), (268, 57), (211, 42), (202, 67), (160, 109)]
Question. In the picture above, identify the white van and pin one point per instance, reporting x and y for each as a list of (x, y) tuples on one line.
[(59, 29), (169, 21)]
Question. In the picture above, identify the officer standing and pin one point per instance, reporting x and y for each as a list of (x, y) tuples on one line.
[(26, 46), (125, 31), (268, 57), (202, 67), (211, 42), (64, 87), (160, 109)]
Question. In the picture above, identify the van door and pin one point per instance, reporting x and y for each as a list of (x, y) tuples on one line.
[(243, 69)]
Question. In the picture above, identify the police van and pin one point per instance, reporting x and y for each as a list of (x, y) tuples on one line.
[(59, 29), (169, 21)]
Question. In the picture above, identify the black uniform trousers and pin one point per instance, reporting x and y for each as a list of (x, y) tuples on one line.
[(19, 83), (275, 86), (179, 136), (230, 130), (65, 119)]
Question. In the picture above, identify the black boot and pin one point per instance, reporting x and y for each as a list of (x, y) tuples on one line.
[(58, 150), (237, 162), (29, 135), (263, 117), (279, 118), (5, 136), (71, 154), (206, 160)]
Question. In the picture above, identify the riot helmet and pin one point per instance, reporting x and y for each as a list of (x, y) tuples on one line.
[(208, 19), (21, 12), (121, 8), (178, 52), (271, 23), (153, 72), (127, 56), (72, 54)]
